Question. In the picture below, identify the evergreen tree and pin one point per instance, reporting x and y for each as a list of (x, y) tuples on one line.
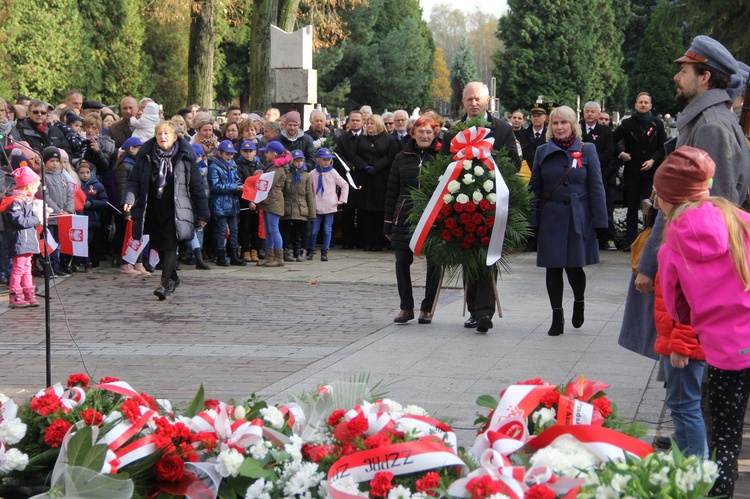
[(640, 16), (232, 57), (654, 66), (724, 20), (463, 71)]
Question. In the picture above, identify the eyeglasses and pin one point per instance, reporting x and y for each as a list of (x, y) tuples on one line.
[(400, 119), (386, 123), (38, 111)]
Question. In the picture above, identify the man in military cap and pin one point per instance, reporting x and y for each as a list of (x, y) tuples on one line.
[(534, 136)]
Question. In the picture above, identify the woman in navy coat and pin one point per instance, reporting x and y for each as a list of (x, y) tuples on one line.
[(566, 181)]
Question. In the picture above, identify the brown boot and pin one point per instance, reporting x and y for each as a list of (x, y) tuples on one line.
[(254, 256), (275, 258), (246, 256), (268, 259), (404, 316)]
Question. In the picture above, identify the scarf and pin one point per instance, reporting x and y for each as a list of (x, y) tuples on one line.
[(298, 173), (164, 166), (321, 188), (41, 128), (565, 143), (644, 119), (5, 128)]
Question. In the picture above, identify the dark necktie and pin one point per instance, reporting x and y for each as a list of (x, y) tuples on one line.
[(536, 135)]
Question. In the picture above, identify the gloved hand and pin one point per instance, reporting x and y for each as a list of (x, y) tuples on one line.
[(601, 233), (370, 170), (87, 204)]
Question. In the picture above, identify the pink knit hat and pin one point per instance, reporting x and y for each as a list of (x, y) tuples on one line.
[(292, 117), (25, 176)]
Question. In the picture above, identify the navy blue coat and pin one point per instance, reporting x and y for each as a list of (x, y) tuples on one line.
[(565, 227), (96, 194), (20, 224)]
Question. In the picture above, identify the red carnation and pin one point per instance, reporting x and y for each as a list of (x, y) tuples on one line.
[(470, 239), (315, 453), (377, 440), (604, 406), (78, 379), (446, 235), (550, 399), (539, 491), (92, 417), (206, 439), (484, 205), (470, 228), (335, 417), (465, 218), (149, 401), (490, 221), (446, 210), (169, 469), (131, 410), (381, 484), (357, 426), (485, 241), (458, 232), (46, 404), (483, 487), (532, 381), (476, 218), (211, 404), (428, 483), (188, 452), (458, 208), (108, 379), (470, 207), (481, 231), (53, 435), (450, 223)]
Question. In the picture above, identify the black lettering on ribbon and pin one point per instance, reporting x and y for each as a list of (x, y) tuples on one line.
[(341, 472)]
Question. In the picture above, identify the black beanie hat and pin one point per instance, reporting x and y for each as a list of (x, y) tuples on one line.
[(49, 153)]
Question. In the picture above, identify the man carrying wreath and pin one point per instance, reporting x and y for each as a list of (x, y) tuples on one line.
[(480, 295)]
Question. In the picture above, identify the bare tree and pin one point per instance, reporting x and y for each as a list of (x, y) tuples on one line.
[(201, 53)]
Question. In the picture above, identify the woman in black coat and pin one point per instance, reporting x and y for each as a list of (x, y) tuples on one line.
[(372, 156), (403, 178), (164, 187)]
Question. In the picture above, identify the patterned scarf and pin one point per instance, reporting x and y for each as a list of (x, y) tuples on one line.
[(565, 143), (321, 189), (164, 166)]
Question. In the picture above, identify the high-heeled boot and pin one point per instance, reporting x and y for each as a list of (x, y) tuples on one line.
[(558, 322), (577, 319)]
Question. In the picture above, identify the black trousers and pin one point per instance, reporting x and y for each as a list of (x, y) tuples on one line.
[(637, 188), (404, 259), (349, 226), (480, 295), (294, 234), (248, 230)]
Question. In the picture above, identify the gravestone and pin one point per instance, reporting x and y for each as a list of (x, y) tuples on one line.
[(295, 80)]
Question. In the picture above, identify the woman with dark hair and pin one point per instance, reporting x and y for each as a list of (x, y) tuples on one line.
[(163, 189), (230, 131), (422, 146), (372, 156)]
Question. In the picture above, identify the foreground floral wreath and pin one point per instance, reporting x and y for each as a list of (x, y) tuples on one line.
[(540, 441)]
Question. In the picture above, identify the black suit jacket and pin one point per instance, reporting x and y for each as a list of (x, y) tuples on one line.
[(529, 143), (501, 131), (601, 137), (641, 144)]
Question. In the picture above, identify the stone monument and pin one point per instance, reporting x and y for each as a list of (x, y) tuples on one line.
[(295, 80)]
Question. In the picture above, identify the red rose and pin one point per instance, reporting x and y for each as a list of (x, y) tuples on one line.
[(470, 228), (131, 410), (108, 379), (481, 231), (458, 232), (484, 205), (439, 218), (470, 207), (316, 453), (78, 379), (53, 435), (458, 208), (211, 404), (169, 469), (46, 404), (539, 491), (470, 239), (450, 223), (428, 483), (446, 235), (336, 417), (92, 417), (381, 484), (485, 241), (377, 440), (483, 487), (446, 210), (357, 426), (550, 399), (465, 245), (476, 218), (465, 218), (604, 406), (490, 221)]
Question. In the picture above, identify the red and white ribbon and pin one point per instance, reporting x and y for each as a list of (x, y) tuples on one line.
[(69, 399), (605, 443), (122, 388), (238, 432), (576, 163)]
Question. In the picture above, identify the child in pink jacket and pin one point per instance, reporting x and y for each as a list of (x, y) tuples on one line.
[(325, 181), (705, 281)]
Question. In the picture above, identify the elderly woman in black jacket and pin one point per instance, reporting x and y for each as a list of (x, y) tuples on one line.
[(372, 155), (420, 148), (163, 189)]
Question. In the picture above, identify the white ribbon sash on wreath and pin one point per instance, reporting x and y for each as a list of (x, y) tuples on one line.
[(469, 144), (348, 172)]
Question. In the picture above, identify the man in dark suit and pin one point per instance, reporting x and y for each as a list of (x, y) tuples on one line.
[(601, 137), (121, 131), (400, 130), (344, 145), (534, 135), (480, 295), (640, 142)]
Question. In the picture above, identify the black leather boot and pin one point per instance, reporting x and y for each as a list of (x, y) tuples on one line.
[(577, 319), (558, 322), (199, 263), (235, 259), (221, 258)]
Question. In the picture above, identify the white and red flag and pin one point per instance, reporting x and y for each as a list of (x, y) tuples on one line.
[(51, 243), (73, 231), (257, 187), (131, 248)]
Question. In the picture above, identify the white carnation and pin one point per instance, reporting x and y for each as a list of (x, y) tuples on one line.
[(273, 416), (468, 179), (492, 198), (453, 186), (408, 426), (567, 457), (488, 185), (306, 477), (259, 490), (229, 462), (477, 196), (543, 416), (259, 451), (479, 171), (349, 486), (13, 460), (415, 410), (462, 198), (294, 448), (467, 164), (448, 198), (399, 492), (12, 431)]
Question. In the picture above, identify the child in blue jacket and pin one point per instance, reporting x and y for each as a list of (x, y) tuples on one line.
[(225, 189), (96, 204)]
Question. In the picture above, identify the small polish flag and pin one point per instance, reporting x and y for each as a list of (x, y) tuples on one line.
[(73, 231), (131, 248), (51, 243), (257, 187)]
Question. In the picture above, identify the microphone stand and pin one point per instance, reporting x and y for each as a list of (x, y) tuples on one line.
[(47, 272)]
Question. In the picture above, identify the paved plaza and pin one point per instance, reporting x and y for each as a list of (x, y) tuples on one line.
[(282, 331)]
